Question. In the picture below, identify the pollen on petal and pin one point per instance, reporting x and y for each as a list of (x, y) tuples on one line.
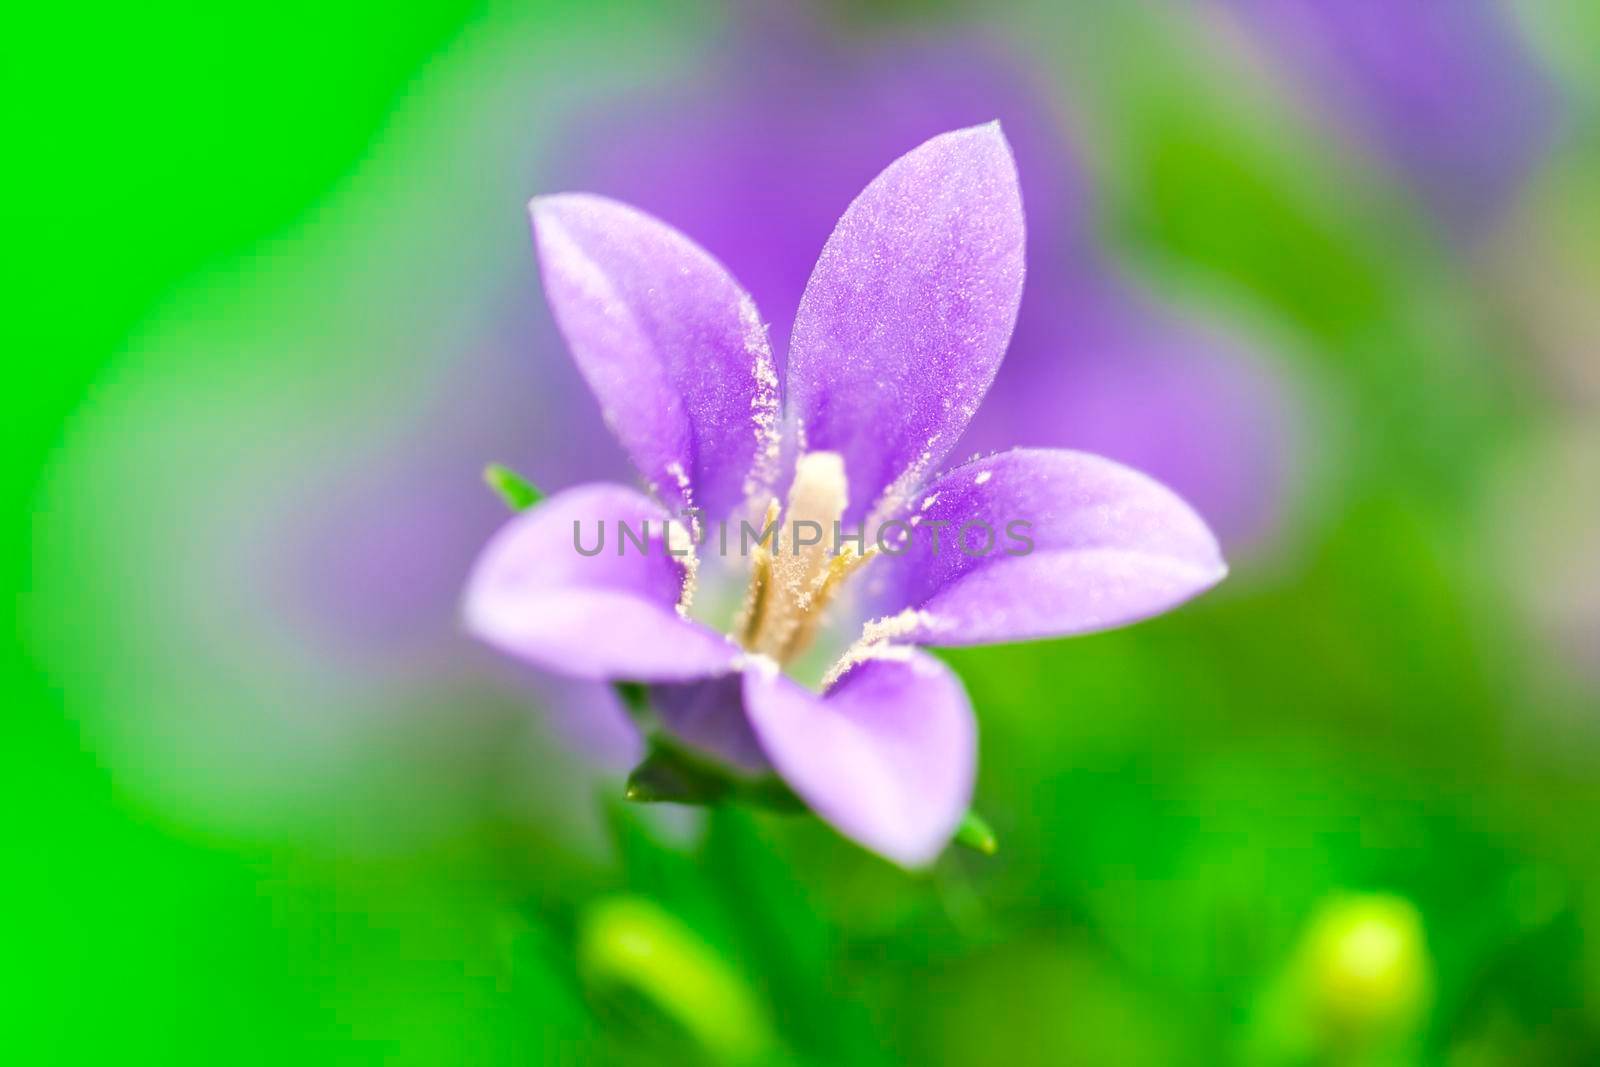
[(680, 541), (879, 639), (765, 416), (862, 652), (894, 627), (900, 492)]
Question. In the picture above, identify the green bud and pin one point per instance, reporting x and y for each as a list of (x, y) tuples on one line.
[(634, 942), (1356, 989), (518, 493), (1366, 965), (974, 833)]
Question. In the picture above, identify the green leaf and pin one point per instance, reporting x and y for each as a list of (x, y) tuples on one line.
[(974, 833), (518, 493), (673, 774), (667, 774)]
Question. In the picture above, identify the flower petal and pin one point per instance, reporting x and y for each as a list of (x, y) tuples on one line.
[(709, 715), (783, 126), (587, 719), (887, 756), (1102, 368), (669, 343), (1109, 546), (608, 616), (908, 312)]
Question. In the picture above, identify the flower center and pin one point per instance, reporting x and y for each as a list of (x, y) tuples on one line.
[(799, 565)]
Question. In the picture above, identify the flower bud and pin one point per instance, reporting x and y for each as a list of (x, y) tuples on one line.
[(633, 942), (1366, 966)]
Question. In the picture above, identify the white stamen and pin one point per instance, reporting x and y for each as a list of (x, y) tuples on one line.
[(791, 586)]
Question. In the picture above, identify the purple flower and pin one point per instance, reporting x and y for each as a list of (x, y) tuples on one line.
[(1447, 91), (899, 332), (788, 121)]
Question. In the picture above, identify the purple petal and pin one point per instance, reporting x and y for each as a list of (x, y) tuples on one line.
[(1109, 546), (887, 756), (908, 312), (668, 342), (1098, 367), (709, 715), (588, 718), (608, 616), (758, 152)]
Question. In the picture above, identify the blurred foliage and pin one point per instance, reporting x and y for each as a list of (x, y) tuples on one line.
[(1328, 815)]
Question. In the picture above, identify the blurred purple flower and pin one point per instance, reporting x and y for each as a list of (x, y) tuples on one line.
[(790, 122), (899, 332), (1448, 92)]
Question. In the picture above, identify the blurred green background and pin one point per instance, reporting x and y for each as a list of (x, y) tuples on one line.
[(1343, 811)]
